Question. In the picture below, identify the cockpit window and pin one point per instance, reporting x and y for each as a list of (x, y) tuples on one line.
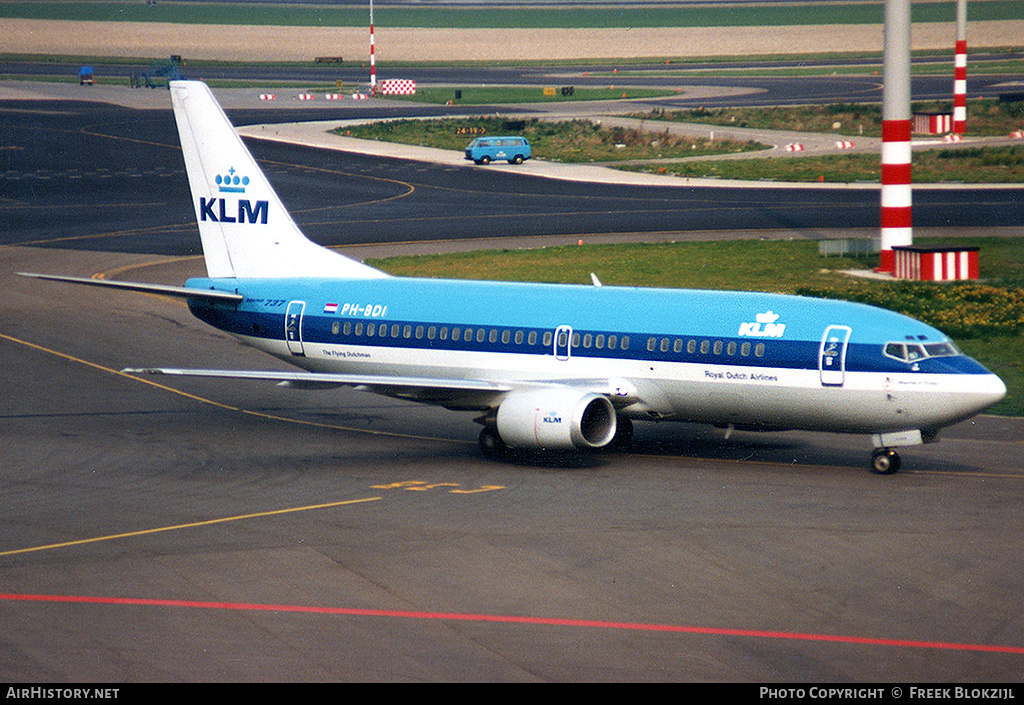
[(914, 352), (941, 350), (896, 350)]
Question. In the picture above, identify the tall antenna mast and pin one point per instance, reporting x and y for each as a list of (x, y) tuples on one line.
[(373, 65), (960, 70), (896, 228)]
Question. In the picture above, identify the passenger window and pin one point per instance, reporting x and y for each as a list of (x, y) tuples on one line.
[(664, 344), (625, 342), (745, 350), (612, 341), (493, 336), (371, 328), (348, 328), (335, 327), (359, 328), (705, 347), (691, 346), (730, 349), (531, 338), (547, 339), (651, 343), (759, 350), (394, 330), (588, 340), (419, 332), (480, 335), (599, 341), (677, 347)]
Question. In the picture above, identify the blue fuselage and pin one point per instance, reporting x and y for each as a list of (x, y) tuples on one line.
[(752, 359)]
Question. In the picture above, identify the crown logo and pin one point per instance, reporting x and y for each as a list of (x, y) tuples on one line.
[(231, 182), (766, 317)]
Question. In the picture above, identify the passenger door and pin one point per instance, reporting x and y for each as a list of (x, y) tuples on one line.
[(293, 327), (832, 355), (563, 342)]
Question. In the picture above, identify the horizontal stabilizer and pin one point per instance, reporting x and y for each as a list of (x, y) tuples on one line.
[(162, 289)]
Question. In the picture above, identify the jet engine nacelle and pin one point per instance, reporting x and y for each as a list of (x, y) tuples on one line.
[(556, 419)]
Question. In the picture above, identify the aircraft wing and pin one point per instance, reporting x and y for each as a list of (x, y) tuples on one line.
[(450, 393)]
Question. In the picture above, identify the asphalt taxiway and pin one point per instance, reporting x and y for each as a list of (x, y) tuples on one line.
[(199, 530)]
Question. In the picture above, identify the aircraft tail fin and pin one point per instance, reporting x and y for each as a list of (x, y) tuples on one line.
[(244, 227)]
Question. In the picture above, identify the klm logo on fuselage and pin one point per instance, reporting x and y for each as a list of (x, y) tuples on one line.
[(241, 210), (764, 325)]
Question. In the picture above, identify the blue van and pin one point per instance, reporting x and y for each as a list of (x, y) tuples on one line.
[(484, 150)]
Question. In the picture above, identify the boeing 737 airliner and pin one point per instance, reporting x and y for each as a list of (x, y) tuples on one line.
[(550, 367)]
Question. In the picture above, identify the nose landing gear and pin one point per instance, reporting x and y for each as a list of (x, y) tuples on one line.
[(885, 461)]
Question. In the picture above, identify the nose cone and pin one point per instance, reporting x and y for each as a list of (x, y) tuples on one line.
[(990, 391), (983, 392), (973, 388)]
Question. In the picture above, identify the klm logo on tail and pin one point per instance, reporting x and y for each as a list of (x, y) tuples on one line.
[(221, 210)]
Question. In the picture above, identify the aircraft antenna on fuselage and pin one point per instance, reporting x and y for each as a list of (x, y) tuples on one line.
[(244, 227)]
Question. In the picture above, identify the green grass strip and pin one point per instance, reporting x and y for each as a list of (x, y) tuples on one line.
[(496, 17)]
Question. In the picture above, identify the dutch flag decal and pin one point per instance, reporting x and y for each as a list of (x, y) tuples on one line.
[(330, 308)]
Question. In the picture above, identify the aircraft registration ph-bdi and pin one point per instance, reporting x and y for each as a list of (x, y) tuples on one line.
[(550, 367)]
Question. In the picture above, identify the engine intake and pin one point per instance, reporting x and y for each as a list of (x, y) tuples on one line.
[(556, 419)]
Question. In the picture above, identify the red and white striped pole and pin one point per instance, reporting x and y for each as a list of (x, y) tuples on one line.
[(960, 70), (896, 228), (373, 65)]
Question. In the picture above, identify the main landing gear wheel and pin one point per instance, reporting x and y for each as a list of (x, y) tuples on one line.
[(885, 461), (491, 444)]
